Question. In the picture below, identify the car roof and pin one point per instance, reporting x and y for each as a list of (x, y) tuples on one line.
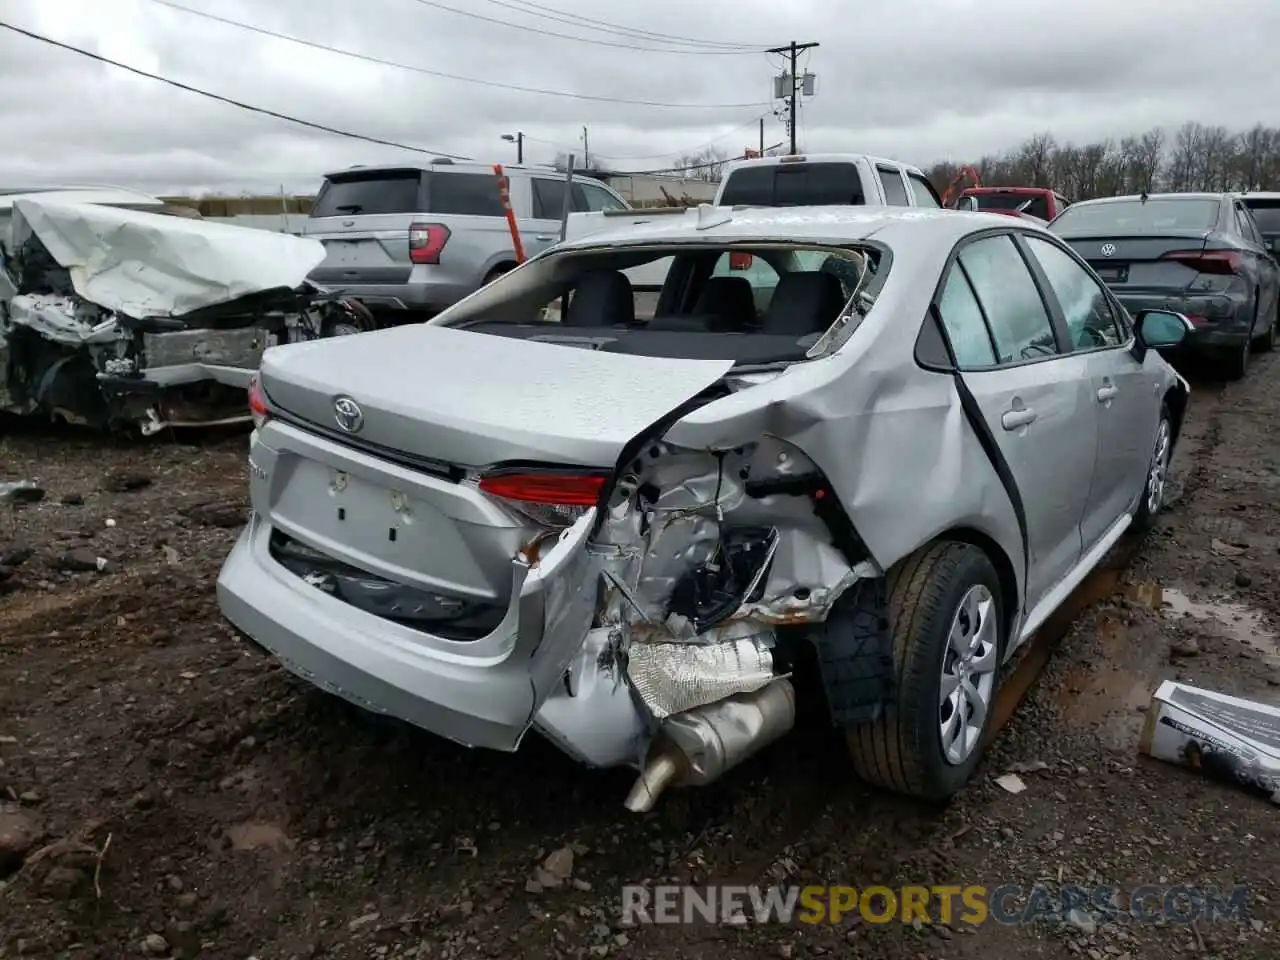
[(1152, 196), (457, 166), (817, 158), (1257, 195), (831, 224)]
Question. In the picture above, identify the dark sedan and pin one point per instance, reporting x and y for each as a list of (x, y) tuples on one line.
[(1200, 254)]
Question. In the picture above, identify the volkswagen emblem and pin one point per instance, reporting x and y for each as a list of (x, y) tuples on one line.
[(348, 414), (1108, 249)]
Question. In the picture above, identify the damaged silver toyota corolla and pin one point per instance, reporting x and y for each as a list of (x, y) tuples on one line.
[(878, 445), (128, 318)]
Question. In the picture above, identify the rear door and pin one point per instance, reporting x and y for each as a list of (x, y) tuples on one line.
[(894, 187), (1266, 214), (1262, 265), (922, 191), (1033, 395), (1121, 387), (362, 217), (547, 208)]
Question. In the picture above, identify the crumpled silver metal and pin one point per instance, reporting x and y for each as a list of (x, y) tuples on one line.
[(671, 678)]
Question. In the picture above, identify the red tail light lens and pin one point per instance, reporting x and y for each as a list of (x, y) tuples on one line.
[(1218, 262), (258, 406), (557, 489), (426, 241), (551, 500), (740, 261)]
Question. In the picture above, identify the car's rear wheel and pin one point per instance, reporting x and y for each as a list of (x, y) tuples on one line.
[(1236, 363), (496, 272), (1157, 474), (1266, 342), (946, 618)]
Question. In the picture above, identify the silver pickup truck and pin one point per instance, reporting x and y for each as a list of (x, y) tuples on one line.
[(812, 180)]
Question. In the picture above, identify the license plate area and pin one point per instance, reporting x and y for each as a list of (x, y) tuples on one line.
[(1112, 273), (329, 505), (345, 252)]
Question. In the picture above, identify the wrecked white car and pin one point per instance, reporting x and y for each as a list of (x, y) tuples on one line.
[(886, 464), (127, 318)]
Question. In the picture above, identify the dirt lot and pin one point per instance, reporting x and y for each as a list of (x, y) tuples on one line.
[(174, 794)]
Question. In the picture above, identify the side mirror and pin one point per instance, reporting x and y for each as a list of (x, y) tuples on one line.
[(1162, 328)]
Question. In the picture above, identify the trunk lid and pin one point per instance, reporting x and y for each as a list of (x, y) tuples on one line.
[(475, 399), (1134, 263)]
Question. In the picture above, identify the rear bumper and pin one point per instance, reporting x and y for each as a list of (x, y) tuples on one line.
[(1222, 320), (481, 694)]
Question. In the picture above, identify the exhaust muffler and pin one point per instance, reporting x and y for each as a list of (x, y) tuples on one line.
[(696, 747)]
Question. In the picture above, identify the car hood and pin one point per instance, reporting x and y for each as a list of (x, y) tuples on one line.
[(477, 399), (144, 265)]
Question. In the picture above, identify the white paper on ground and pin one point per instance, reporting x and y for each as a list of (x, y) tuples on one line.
[(1217, 734)]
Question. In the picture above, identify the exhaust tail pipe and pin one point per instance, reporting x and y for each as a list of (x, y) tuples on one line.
[(697, 747)]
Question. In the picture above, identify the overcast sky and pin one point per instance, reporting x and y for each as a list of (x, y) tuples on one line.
[(917, 80)]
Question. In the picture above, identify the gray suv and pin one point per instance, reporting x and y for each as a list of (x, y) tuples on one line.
[(422, 237)]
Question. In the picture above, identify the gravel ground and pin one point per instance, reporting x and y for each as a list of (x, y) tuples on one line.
[(165, 792)]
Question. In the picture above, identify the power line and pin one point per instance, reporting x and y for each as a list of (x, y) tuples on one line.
[(524, 28), (604, 26), (690, 152), (262, 31), (324, 128)]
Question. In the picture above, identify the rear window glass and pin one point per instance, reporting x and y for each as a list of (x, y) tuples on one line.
[(369, 194), (1134, 216), (1037, 205), (1266, 213), (467, 194), (794, 185)]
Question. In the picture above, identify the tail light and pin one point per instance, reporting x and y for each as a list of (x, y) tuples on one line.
[(740, 261), (426, 240), (1219, 262), (258, 405), (550, 499)]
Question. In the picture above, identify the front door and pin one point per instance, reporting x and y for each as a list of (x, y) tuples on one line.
[(1123, 391)]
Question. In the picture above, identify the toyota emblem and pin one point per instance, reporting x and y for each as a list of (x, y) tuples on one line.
[(348, 414), (1108, 249)]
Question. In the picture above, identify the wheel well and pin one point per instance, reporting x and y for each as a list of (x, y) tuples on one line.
[(1175, 399), (1004, 569), (499, 268)]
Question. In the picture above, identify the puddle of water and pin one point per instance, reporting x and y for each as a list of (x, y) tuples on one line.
[(1240, 622), (1102, 692)]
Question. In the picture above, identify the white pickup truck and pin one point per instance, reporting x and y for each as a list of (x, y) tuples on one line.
[(795, 181)]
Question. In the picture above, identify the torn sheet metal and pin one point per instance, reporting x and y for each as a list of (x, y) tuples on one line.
[(64, 320), (144, 265), (674, 677), (1226, 738)]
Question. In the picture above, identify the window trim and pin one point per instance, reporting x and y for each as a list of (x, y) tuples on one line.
[(1057, 311)]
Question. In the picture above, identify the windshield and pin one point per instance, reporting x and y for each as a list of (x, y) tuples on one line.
[(752, 303), (1036, 205), (1133, 217), (1267, 215)]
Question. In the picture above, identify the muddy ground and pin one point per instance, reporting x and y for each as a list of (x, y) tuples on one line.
[(174, 794)]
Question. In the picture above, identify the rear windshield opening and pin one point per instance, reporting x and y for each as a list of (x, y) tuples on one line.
[(1132, 216), (383, 192), (752, 303), (794, 185)]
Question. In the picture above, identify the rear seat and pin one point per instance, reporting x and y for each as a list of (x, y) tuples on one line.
[(601, 298), (803, 304)]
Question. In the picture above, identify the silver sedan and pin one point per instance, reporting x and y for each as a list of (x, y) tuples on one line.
[(876, 445)]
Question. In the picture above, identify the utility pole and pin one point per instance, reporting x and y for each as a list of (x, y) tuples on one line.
[(518, 139), (791, 83), (762, 136), (586, 151)]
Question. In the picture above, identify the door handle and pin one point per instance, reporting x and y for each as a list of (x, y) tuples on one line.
[(1107, 394), (544, 236), (1013, 419)]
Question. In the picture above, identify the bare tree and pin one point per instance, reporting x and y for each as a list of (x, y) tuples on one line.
[(707, 164)]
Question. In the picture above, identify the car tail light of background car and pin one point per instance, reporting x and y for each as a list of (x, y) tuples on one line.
[(553, 499), (740, 261), (1220, 262), (258, 405), (426, 240)]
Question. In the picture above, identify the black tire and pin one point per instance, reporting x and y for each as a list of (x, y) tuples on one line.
[(1149, 507), (1235, 364), (902, 750), (1266, 342), (496, 272)]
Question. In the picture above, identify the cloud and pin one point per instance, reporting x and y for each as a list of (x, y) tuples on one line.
[(919, 80)]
